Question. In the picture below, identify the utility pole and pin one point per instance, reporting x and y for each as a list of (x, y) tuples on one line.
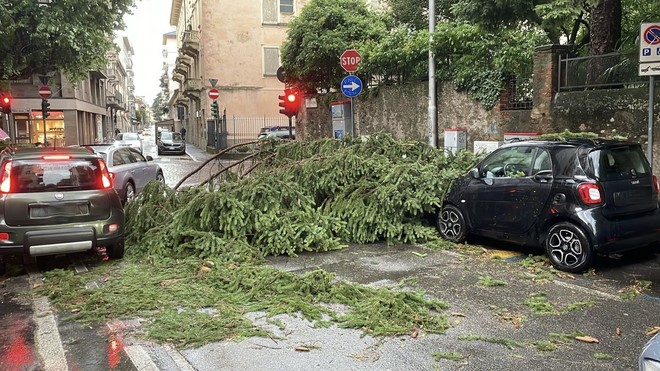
[(433, 117)]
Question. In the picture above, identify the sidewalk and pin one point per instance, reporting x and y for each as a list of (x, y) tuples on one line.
[(196, 153)]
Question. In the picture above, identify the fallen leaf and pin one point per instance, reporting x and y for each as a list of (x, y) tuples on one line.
[(457, 314), (75, 310), (653, 331), (209, 264), (414, 334), (565, 275), (205, 269), (587, 339), (302, 349), (421, 255), (618, 331)]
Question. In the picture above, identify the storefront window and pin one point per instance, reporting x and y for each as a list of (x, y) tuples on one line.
[(30, 128)]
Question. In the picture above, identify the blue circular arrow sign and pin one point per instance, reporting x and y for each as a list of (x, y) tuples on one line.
[(351, 86)]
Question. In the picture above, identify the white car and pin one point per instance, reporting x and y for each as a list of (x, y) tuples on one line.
[(649, 360), (132, 140)]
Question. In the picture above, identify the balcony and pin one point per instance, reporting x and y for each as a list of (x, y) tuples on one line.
[(192, 88), (177, 77), (115, 100), (190, 45)]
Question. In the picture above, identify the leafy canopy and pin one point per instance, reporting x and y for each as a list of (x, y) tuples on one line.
[(69, 36), (318, 36)]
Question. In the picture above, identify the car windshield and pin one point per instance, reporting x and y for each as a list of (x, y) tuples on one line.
[(40, 175), (170, 135), (623, 162), (127, 136)]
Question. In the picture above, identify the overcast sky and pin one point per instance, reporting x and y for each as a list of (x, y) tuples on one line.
[(145, 29)]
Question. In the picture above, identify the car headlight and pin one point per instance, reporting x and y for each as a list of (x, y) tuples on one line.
[(649, 365)]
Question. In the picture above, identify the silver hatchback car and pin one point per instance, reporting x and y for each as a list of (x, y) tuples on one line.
[(131, 171)]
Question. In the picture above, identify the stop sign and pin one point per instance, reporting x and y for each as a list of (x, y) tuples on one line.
[(214, 93), (350, 59), (45, 92)]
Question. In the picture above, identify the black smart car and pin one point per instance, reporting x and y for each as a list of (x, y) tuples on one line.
[(573, 198)]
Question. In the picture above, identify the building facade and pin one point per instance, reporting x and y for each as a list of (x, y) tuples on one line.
[(237, 45), (81, 113)]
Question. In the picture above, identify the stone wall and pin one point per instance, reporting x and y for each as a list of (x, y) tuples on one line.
[(403, 111)]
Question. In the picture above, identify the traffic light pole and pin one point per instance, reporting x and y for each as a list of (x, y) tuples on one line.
[(290, 128)]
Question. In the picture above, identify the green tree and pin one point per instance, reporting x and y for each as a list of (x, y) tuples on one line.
[(318, 36), (69, 36), (159, 106)]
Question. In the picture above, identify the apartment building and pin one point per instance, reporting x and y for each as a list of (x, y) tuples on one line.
[(236, 44), (85, 112)]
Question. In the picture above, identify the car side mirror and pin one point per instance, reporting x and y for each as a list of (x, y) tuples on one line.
[(474, 173), (149, 158)]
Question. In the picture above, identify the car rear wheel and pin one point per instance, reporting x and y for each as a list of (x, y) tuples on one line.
[(451, 224), (568, 248), (129, 192), (116, 250)]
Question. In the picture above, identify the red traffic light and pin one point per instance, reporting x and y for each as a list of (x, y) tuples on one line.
[(5, 103), (289, 102)]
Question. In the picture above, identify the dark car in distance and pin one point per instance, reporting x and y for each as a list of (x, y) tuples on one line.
[(170, 142), (56, 201), (573, 198)]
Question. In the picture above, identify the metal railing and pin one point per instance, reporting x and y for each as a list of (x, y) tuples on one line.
[(613, 70), (246, 129)]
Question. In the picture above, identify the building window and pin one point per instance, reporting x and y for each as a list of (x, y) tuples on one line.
[(271, 60), (269, 11), (286, 6)]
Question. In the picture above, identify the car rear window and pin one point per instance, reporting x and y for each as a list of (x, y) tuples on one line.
[(55, 175), (622, 162)]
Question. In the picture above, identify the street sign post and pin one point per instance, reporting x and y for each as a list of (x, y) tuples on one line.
[(649, 65), (350, 60), (351, 86), (214, 93), (45, 92)]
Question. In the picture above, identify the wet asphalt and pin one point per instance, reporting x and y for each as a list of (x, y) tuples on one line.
[(482, 318)]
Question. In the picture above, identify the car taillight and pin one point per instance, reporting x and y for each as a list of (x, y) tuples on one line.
[(106, 178), (590, 193), (656, 186), (5, 178)]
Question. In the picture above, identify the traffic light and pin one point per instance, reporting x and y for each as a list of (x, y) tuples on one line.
[(290, 102), (45, 108), (215, 110), (5, 103)]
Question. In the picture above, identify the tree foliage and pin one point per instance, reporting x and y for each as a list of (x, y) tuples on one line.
[(318, 36), (477, 43), (70, 36)]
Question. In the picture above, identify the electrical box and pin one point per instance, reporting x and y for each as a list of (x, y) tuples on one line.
[(455, 139), (342, 118)]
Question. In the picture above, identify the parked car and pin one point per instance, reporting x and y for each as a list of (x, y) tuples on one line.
[(281, 132), (132, 140), (170, 142), (649, 360), (573, 198), (56, 201), (130, 170)]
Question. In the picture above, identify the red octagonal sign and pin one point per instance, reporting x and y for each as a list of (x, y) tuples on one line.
[(214, 93), (350, 60), (45, 92)]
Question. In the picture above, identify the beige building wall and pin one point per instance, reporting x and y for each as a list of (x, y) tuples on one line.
[(239, 45)]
